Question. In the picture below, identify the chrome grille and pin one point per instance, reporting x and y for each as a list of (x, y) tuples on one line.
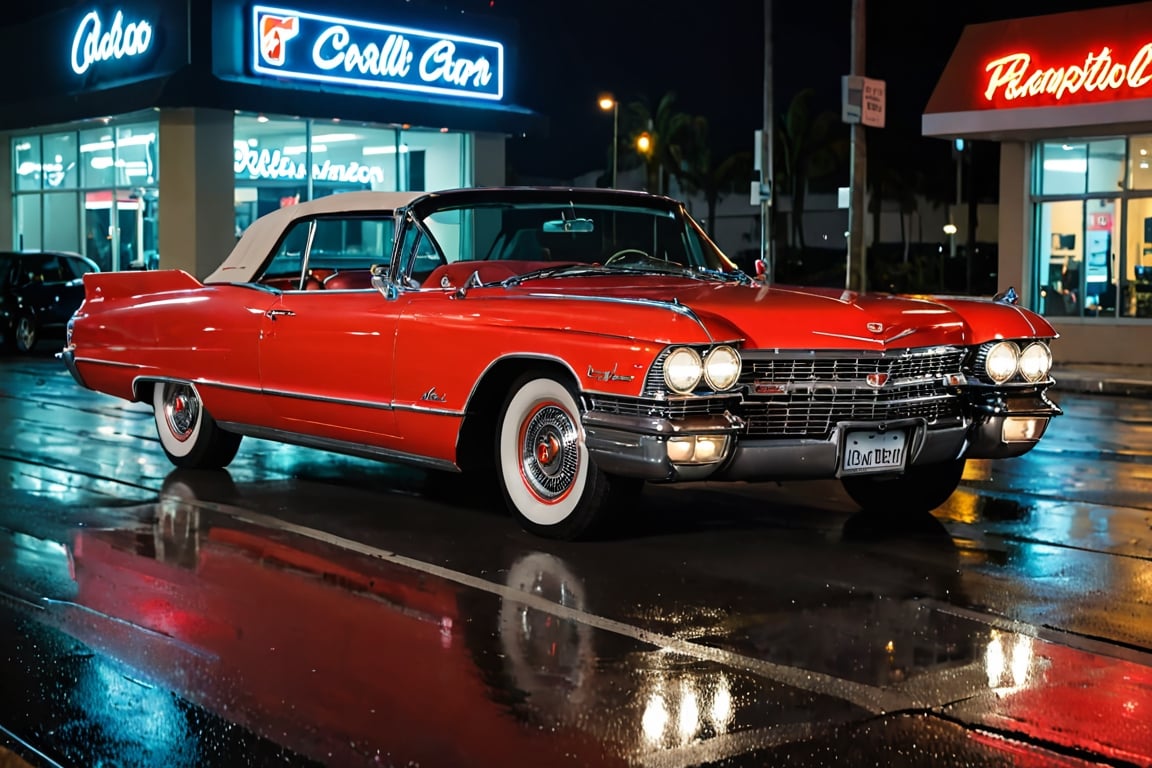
[(912, 365), (677, 408), (790, 395)]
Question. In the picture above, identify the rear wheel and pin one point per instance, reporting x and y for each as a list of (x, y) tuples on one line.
[(25, 334), (548, 480), (188, 433), (919, 489)]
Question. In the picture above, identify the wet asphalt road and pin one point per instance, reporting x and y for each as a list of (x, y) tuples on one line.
[(305, 608)]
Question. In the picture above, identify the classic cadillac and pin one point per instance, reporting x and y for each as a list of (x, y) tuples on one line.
[(572, 343)]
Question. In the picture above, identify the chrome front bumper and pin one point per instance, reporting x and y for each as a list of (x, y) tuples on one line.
[(996, 425), (637, 447)]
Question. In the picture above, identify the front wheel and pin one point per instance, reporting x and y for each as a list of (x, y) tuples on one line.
[(547, 478), (919, 489), (188, 433)]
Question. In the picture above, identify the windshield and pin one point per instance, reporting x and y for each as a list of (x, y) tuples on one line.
[(622, 235)]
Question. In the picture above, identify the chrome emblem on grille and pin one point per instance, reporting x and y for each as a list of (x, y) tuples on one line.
[(876, 380), (875, 327)]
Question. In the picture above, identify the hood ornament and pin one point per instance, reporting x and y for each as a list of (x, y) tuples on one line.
[(875, 327)]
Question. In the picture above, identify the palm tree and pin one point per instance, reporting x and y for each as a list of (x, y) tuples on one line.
[(808, 147), (662, 128), (698, 173)]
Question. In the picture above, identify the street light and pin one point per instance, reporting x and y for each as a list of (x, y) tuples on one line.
[(644, 143), (607, 102)]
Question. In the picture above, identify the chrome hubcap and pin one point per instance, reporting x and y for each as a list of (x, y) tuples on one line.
[(25, 332), (181, 410), (549, 458)]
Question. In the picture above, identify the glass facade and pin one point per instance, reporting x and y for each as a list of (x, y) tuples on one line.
[(1093, 218), (92, 190), (281, 160), (95, 190)]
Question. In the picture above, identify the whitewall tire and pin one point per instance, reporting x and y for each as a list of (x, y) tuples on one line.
[(188, 433), (549, 482)]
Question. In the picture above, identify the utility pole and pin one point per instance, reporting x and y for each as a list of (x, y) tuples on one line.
[(856, 277), (767, 143)]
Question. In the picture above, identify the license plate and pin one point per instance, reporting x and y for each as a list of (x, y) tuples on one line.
[(871, 451)]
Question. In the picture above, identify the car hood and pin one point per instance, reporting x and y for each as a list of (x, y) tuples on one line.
[(779, 316)]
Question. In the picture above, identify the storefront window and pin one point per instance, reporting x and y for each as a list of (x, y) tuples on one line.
[(271, 165), (97, 161), (1060, 243), (61, 221), (1091, 252), (1139, 161), (26, 163), (99, 193), (281, 161), (60, 161), (1080, 167), (28, 223), (1136, 272)]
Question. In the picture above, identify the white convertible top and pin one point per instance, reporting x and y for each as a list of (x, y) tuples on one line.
[(260, 237)]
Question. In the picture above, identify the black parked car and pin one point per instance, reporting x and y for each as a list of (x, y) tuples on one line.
[(39, 291)]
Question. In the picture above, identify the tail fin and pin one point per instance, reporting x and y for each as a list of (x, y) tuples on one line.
[(114, 285)]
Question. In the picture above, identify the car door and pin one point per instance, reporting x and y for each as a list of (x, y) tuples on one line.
[(326, 355), (40, 281)]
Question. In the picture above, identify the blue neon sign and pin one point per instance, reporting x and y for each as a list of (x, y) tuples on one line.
[(328, 49)]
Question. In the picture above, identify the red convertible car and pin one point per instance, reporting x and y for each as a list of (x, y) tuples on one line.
[(573, 343)]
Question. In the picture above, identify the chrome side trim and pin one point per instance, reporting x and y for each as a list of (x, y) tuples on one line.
[(323, 399), (111, 363), (672, 306), (338, 446)]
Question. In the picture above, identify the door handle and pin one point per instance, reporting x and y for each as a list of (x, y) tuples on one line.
[(272, 314)]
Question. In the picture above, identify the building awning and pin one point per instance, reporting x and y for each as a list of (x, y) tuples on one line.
[(1065, 73)]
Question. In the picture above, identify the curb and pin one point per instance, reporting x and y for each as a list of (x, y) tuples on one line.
[(1094, 385)]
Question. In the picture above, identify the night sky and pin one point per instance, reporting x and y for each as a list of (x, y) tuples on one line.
[(711, 54)]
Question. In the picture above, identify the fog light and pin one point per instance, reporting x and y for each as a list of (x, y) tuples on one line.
[(680, 449), (697, 449), (1024, 429)]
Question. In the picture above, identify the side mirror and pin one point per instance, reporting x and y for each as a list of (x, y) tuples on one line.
[(1007, 297), (381, 283)]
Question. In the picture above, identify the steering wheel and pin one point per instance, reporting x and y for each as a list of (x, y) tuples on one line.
[(624, 255)]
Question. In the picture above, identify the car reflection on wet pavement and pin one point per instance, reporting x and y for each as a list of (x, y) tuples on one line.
[(272, 616)]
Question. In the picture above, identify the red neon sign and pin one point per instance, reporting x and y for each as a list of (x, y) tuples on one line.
[(1013, 77)]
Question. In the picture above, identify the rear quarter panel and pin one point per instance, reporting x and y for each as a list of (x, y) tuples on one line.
[(167, 325)]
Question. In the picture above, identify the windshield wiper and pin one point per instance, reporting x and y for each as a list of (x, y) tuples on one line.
[(566, 270)]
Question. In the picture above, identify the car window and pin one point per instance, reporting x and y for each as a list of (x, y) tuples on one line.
[(74, 268), (351, 243), (288, 261)]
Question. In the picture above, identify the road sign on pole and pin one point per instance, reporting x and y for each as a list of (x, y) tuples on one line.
[(863, 100)]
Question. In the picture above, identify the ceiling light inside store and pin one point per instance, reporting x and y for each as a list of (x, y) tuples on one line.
[(331, 137), (261, 119), (385, 150), (1070, 165)]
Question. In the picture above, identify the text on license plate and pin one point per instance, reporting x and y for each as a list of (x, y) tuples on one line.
[(871, 451)]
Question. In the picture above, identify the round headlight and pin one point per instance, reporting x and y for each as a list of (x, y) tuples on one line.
[(722, 368), (682, 370), (1035, 361), (1002, 360)]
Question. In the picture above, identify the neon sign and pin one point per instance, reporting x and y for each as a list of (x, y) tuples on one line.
[(93, 44), (1012, 77), (276, 164), (327, 49)]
